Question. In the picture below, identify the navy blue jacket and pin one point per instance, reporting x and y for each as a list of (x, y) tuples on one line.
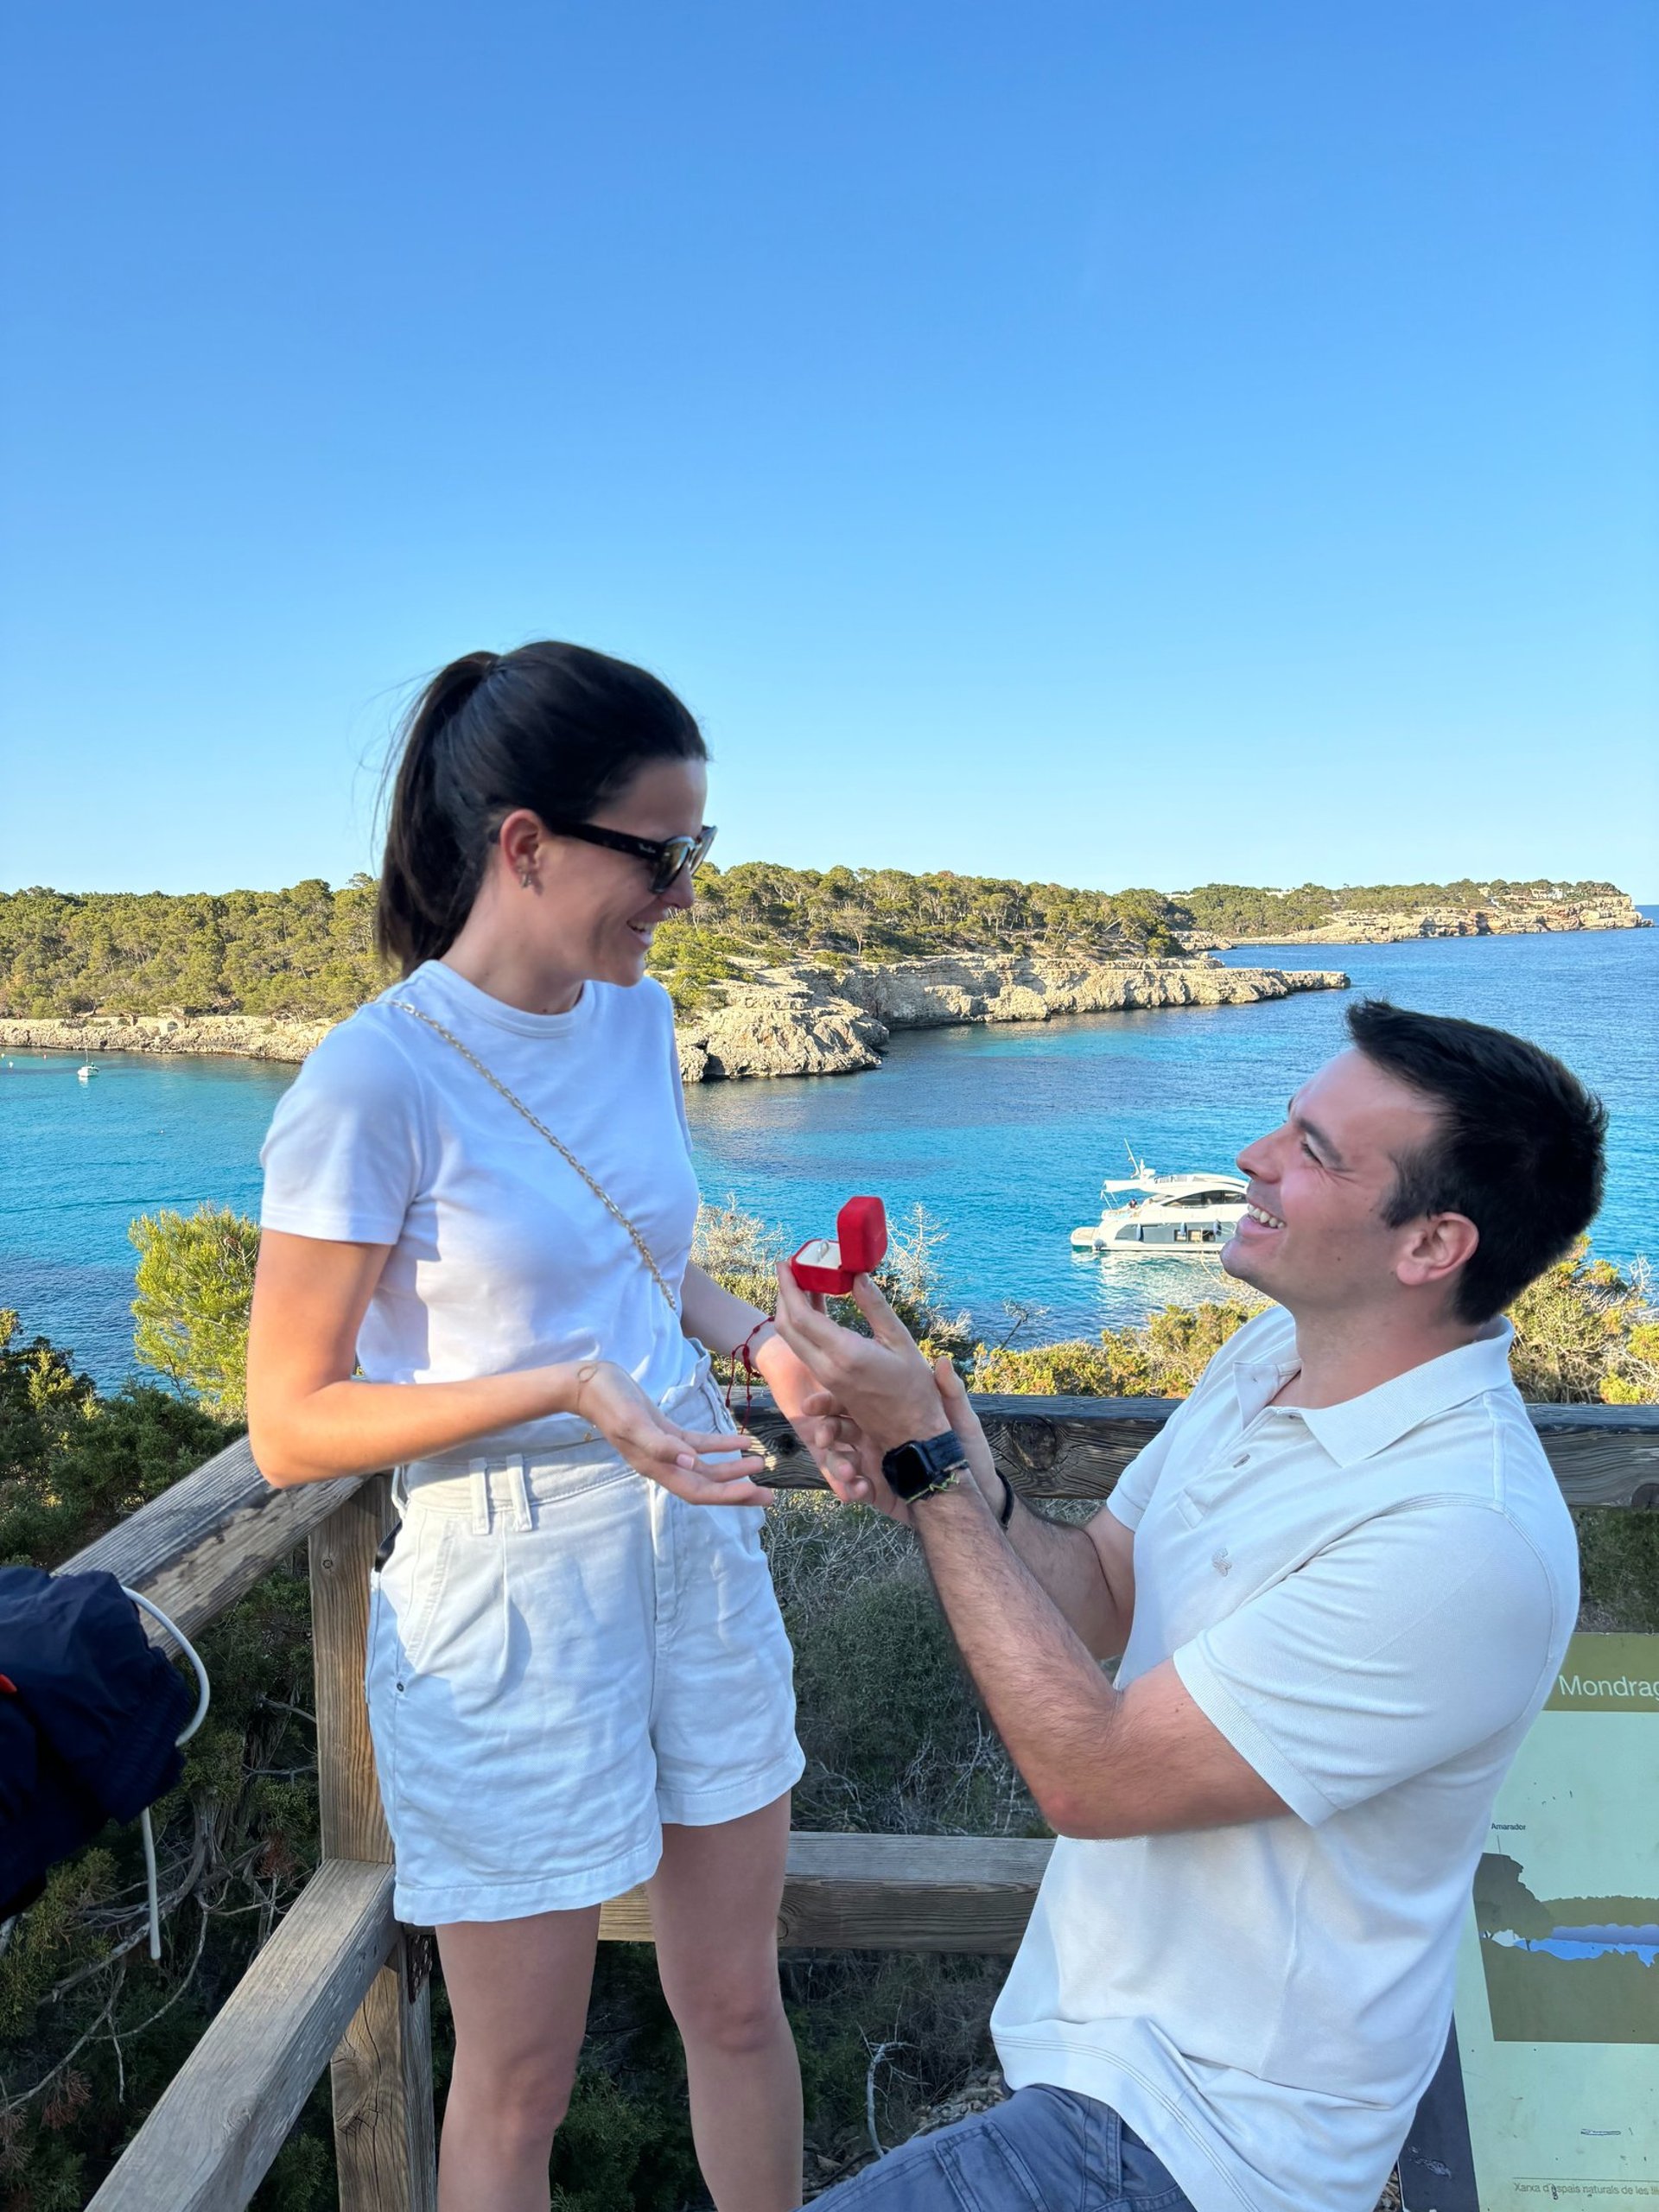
[(90, 1713)]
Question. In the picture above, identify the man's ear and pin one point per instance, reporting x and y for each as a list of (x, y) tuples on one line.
[(1436, 1247)]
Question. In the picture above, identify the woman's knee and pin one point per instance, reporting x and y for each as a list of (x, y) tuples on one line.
[(524, 2101), (734, 2014)]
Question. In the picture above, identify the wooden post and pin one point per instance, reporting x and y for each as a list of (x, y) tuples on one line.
[(381, 2071)]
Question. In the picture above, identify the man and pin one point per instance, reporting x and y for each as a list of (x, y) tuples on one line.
[(1341, 1579)]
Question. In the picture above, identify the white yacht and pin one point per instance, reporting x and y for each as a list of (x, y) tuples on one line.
[(88, 1072), (1171, 1215)]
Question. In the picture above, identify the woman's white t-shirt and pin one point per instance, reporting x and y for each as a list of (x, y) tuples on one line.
[(502, 1257)]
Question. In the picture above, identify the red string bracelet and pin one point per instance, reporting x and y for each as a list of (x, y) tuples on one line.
[(741, 1357)]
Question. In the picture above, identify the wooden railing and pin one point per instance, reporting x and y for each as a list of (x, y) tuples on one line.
[(339, 1984)]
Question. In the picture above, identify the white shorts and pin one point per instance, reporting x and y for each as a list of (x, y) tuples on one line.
[(562, 1655)]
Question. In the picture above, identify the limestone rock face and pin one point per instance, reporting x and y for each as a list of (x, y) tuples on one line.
[(1611, 909), (1029, 987), (787, 1020), (244, 1036), (798, 1019), (804, 1019)]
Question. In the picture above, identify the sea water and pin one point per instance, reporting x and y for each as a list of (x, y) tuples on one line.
[(1002, 1135)]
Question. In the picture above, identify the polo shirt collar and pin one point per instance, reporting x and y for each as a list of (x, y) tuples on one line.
[(1359, 1427)]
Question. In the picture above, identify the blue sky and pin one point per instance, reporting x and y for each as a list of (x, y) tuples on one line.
[(1106, 442)]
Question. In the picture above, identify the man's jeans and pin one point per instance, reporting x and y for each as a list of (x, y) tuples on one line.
[(1046, 2150)]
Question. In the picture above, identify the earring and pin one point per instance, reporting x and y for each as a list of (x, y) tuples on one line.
[(526, 878)]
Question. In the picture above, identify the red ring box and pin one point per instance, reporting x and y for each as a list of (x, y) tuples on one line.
[(860, 1243)]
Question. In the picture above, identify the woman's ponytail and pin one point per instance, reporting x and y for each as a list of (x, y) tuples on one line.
[(427, 881), (554, 727)]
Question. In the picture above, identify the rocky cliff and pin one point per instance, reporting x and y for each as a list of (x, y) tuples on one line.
[(244, 1036), (1500, 917), (795, 1019), (806, 1019)]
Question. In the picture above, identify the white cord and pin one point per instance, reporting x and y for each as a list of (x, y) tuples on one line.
[(203, 1694)]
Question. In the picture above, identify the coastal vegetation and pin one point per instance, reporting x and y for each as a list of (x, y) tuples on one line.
[(307, 952), (90, 2032), (1238, 910), (194, 1289)]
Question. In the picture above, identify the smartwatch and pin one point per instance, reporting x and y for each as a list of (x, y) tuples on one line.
[(917, 1470)]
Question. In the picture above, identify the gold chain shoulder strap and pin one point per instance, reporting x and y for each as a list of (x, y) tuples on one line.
[(563, 1150)]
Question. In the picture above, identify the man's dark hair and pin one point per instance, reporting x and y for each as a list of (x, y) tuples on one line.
[(1518, 1150)]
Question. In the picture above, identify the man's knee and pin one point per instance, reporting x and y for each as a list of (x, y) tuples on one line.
[(970, 2163)]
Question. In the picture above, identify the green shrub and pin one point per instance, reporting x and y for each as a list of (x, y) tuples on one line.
[(1161, 1358), (195, 1290), (1584, 1333), (878, 1680)]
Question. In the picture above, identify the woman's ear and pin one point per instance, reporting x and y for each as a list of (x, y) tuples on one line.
[(519, 841)]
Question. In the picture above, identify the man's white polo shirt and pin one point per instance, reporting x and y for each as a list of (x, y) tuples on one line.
[(1371, 1601)]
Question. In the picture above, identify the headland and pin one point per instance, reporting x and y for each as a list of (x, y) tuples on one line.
[(798, 1018), (803, 1019), (1315, 916), (777, 971)]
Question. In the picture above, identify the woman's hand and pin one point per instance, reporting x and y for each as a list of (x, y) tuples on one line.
[(705, 1467)]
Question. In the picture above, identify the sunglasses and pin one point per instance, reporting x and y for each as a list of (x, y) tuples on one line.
[(668, 858)]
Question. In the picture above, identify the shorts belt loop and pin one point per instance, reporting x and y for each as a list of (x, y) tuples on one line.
[(518, 1491), (480, 1482)]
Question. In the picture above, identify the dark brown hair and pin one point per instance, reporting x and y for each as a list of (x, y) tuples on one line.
[(1519, 1148), (557, 729)]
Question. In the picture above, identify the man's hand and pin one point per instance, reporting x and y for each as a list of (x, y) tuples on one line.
[(880, 1383), (977, 1450), (852, 1465), (804, 1405)]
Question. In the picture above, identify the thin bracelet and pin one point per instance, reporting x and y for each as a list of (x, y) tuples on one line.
[(1006, 1514), (585, 1375), (742, 1358)]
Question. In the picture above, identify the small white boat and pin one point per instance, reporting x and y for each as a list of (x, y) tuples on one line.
[(88, 1072), (1173, 1216)]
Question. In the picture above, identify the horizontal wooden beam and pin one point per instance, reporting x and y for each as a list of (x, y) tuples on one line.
[(201, 1545), (210, 2140), (1078, 1448), (890, 1893), (1602, 1455), (196, 1549)]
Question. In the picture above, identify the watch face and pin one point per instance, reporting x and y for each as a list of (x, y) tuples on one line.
[(907, 1470), (913, 1469)]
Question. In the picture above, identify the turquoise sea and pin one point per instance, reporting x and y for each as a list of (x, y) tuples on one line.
[(1004, 1134)]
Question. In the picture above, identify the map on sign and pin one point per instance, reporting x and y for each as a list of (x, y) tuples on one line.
[(1565, 1969), (1558, 1974)]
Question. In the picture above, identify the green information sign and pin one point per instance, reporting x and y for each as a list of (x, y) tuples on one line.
[(1558, 1972)]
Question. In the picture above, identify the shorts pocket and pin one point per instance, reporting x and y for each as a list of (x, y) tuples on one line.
[(411, 1583)]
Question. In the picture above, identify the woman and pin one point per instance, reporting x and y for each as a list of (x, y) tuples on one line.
[(475, 1268)]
